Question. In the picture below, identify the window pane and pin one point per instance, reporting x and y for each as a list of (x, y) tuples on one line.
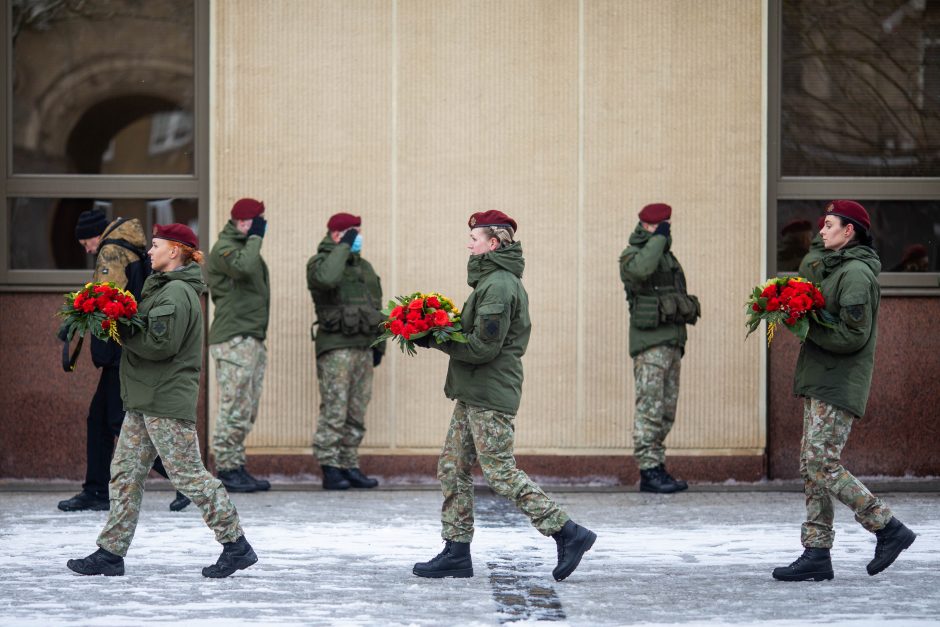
[(906, 233), (860, 86), (42, 230), (103, 87)]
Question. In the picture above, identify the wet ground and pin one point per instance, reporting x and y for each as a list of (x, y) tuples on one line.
[(702, 557)]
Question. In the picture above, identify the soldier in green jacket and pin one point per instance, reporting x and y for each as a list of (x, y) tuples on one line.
[(160, 368), (241, 292), (484, 376), (833, 375), (660, 309), (347, 296)]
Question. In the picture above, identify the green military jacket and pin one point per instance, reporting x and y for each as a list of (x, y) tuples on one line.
[(347, 296), (811, 266), (160, 365), (835, 365), (647, 258), (487, 370), (239, 286)]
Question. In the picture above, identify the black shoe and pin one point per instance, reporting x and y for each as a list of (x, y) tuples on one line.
[(262, 484), (453, 561), (85, 501), (235, 481), (180, 502), (100, 562), (654, 480), (813, 564), (683, 485), (358, 480), (573, 542), (334, 478), (892, 539), (236, 555)]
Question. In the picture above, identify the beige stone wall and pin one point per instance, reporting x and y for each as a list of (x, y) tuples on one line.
[(567, 115)]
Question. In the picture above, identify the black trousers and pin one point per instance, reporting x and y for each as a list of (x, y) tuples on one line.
[(105, 417)]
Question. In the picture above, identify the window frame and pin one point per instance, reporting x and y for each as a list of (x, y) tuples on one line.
[(144, 187), (830, 187)]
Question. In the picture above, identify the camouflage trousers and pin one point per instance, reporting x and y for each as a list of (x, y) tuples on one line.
[(345, 377), (656, 375), (825, 432), (142, 439), (486, 435), (240, 364)]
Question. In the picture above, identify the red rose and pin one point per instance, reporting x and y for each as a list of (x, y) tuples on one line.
[(790, 321), (88, 306), (818, 300), (77, 303), (408, 330), (105, 324), (130, 307), (433, 302), (770, 290), (773, 304), (422, 325), (413, 315), (416, 304), (396, 327), (755, 307), (113, 310), (397, 312), (441, 318)]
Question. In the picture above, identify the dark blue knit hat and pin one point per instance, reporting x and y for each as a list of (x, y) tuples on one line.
[(91, 223)]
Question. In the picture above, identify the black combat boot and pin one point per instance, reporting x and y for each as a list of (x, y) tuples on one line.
[(813, 564), (85, 500), (180, 502), (573, 542), (358, 480), (236, 555), (654, 480), (682, 485), (334, 479), (892, 539), (235, 481), (100, 562), (453, 561), (262, 485)]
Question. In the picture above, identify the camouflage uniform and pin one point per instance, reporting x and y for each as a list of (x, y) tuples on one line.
[(487, 435), (345, 378), (240, 365), (656, 372), (825, 431), (142, 439)]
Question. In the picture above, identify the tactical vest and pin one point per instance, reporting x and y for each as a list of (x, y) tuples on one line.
[(662, 298), (350, 308)]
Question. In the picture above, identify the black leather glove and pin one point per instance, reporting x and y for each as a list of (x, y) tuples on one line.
[(349, 237), (423, 342), (662, 229), (376, 357), (258, 226)]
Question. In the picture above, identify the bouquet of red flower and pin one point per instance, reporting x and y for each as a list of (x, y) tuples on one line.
[(99, 309), (790, 301), (418, 315)]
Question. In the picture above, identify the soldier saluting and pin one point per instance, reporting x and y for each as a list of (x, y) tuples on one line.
[(660, 308)]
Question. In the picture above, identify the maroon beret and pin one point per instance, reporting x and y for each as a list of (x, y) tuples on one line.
[(794, 226), (491, 218), (820, 222), (179, 233), (343, 221), (850, 210), (655, 213), (247, 208)]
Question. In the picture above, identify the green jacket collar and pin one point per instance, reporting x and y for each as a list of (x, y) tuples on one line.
[(231, 232), (191, 274), (858, 252), (506, 258)]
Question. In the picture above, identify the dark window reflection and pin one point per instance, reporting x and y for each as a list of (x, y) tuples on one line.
[(103, 87), (860, 88), (906, 233), (42, 230)]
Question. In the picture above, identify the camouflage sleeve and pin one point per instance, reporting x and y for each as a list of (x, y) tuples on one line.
[(111, 265), (639, 266), (490, 327)]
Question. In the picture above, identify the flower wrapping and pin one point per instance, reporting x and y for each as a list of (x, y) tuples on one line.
[(100, 309), (787, 301), (417, 315)]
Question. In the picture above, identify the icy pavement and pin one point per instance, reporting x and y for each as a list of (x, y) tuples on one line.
[(345, 558)]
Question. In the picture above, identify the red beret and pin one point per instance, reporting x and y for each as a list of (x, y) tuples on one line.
[(176, 233), (794, 226), (655, 213), (247, 208), (820, 222), (343, 221), (850, 210), (491, 218)]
